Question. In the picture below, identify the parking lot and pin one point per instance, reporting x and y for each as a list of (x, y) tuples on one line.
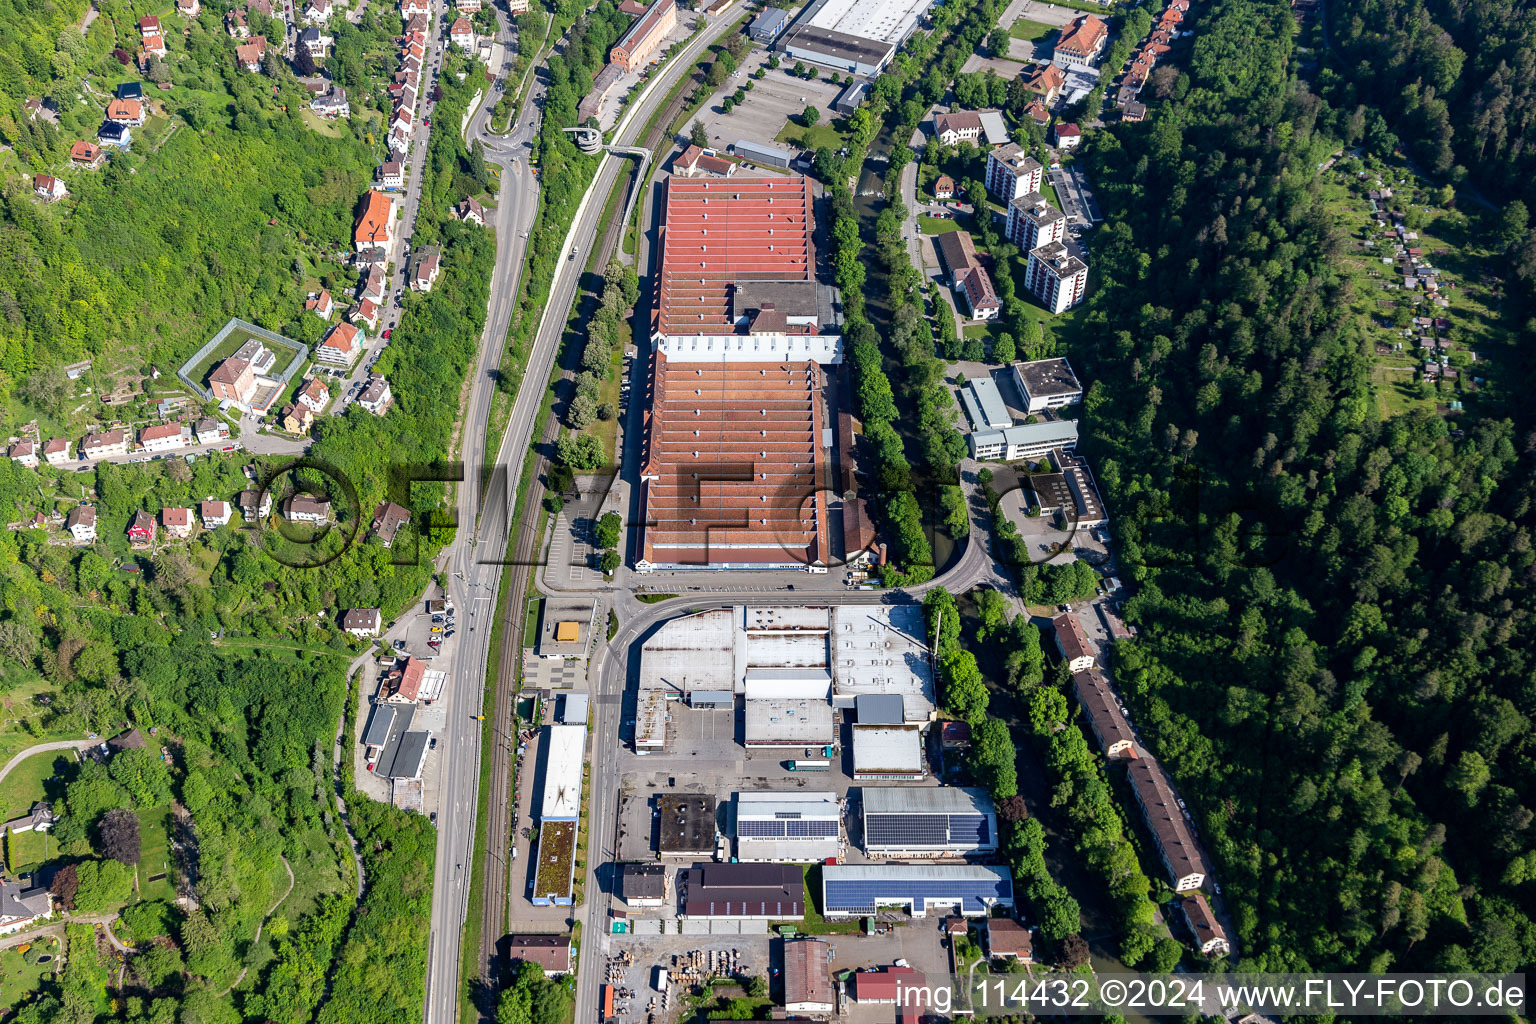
[(768, 107), (1077, 200)]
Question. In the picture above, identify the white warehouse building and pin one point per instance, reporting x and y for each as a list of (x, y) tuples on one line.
[(565, 753), (791, 828)]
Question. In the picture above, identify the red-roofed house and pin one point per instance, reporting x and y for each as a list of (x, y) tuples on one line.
[(48, 188), (365, 314), (177, 522), (86, 155), (214, 513), (944, 187), (695, 162), (321, 305), (128, 112), (340, 347), (1046, 81), (23, 453), (56, 451), (314, 395), (163, 437), (1068, 136), (1037, 113), (249, 55), (471, 212), (149, 27), (462, 34), (424, 275), (154, 45), (375, 223)]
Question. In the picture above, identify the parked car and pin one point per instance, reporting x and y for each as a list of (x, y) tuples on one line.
[(387, 331)]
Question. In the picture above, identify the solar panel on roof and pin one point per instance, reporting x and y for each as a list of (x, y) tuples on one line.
[(906, 829), (863, 895), (969, 828)]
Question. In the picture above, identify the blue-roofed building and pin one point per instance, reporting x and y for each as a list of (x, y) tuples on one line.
[(765, 28), (858, 890), (911, 822)]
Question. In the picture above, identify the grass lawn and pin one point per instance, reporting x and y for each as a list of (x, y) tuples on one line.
[(19, 979), (812, 138), (27, 850), (1026, 29), (607, 431), (531, 622), (320, 124), (154, 858), (935, 225), (27, 782), (814, 923)]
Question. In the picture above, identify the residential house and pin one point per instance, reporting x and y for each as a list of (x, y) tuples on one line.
[(375, 223), (1046, 81), (301, 508), (188, 8), (317, 11), (209, 431), (1037, 114), (314, 395), (149, 27), (81, 523), (956, 127), (1068, 136), (362, 622), (86, 155), (331, 103), (944, 187), (57, 451), (1072, 642), (214, 513), (1210, 937), (980, 295), (1181, 855), (297, 419), (23, 905), (1133, 111), (249, 54), (966, 274), (424, 276), (141, 529), (105, 444), (387, 520), (255, 505), (233, 380), (392, 175), (402, 684), (129, 113), (1011, 172), (376, 397), (1056, 277), (313, 43), (410, 8), (261, 7), (1007, 939), (471, 212), (340, 346), (154, 46), (164, 437), (1082, 42), (321, 305), (462, 34), (364, 313), (118, 136), (24, 453), (177, 522), (695, 162), (374, 284), (235, 24)]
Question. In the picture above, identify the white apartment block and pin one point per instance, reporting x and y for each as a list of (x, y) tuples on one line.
[(1012, 173), (1033, 222), (1056, 277)]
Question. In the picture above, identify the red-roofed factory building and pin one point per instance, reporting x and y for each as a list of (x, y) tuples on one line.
[(738, 461)]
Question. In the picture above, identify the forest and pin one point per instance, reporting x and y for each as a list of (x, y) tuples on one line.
[(1334, 610)]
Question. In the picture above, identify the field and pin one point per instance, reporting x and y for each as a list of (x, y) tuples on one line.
[(812, 138), (27, 850), (27, 782), (154, 860), (935, 225), (1026, 29), (19, 979)]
